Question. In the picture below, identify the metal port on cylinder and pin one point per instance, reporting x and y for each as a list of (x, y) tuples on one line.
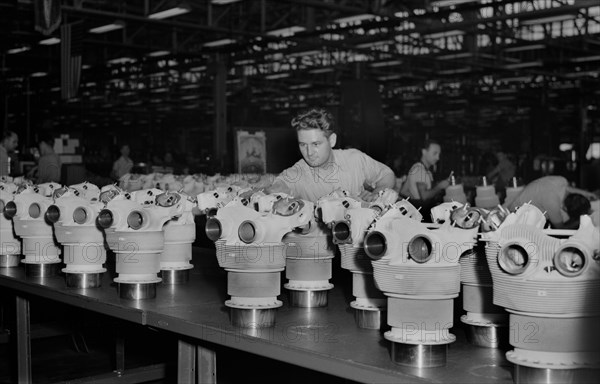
[(83, 280), (42, 270), (513, 258), (375, 245), (308, 298), (341, 232), (486, 336), (175, 276), (9, 261), (213, 228), (527, 375), (420, 249), (370, 319), (419, 355), (137, 291), (252, 317), (247, 231)]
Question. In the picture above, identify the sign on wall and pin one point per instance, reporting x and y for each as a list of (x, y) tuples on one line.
[(251, 152)]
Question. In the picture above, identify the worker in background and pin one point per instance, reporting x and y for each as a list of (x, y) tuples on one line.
[(49, 165), (419, 185), (575, 205), (324, 169), (552, 195), (10, 141), (123, 164), (502, 174)]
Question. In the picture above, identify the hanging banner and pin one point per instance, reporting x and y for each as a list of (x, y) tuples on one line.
[(47, 15), (70, 58)]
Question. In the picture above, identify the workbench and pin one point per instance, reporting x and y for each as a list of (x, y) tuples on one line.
[(321, 339)]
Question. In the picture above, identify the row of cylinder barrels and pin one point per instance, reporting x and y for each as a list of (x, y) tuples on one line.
[(517, 257), (150, 231), (516, 277)]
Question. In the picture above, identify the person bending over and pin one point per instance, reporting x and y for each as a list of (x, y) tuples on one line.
[(551, 194)]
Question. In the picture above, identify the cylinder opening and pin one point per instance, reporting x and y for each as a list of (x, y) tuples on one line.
[(420, 249), (513, 259), (53, 214), (35, 210), (80, 215), (135, 220), (213, 229), (167, 199), (106, 196), (211, 212), (10, 210), (304, 229), (341, 231), (247, 232), (59, 192), (375, 245), (105, 218), (569, 261)]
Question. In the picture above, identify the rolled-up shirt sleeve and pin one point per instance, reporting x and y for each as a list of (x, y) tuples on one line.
[(375, 171)]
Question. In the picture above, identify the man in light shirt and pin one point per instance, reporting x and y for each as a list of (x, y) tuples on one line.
[(419, 181), (9, 143), (323, 169), (123, 164)]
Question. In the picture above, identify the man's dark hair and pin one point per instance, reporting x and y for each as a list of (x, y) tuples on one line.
[(315, 118), (47, 138), (7, 134), (576, 205), (429, 142)]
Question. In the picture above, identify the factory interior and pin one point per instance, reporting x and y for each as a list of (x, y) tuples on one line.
[(340, 191)]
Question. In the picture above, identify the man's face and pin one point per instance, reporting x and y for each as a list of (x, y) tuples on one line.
[(315, 146), (11, 143), (432, 154)]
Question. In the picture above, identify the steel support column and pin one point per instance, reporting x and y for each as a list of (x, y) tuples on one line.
[(220, 98), (23, 340), (186, 362)]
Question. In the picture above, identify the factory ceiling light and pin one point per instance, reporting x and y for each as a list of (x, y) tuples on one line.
[(287, 31), (18, 50), (355, 18), (172, 12), (524, 65), (546, 20), (218, 43), (525, 48), (108, 27), (585, 59), (224, 2), (49, 41), (158, 53), (449, 3)]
